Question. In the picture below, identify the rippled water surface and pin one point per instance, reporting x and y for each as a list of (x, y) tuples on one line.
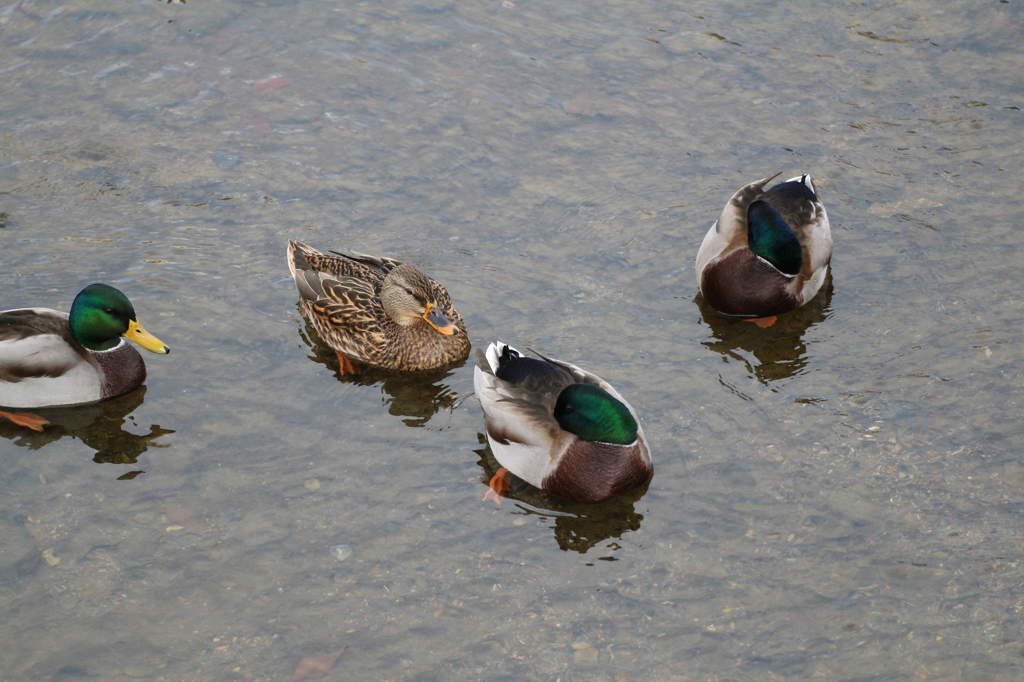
[(838, 496)]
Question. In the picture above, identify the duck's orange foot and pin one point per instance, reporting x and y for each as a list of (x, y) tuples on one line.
[(764, 322), (497, 487), (346, 365), (32, 421)]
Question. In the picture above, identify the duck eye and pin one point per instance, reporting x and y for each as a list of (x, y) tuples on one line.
[(409, 291), (109, 311)]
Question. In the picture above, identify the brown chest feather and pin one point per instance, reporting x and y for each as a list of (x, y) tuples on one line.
[(743, 285), (421, 346), (123, 370), (591, 472)]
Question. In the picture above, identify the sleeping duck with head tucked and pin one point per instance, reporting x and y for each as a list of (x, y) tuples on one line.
[(50, 358), (377, 311), (558, 427), (768, 253)]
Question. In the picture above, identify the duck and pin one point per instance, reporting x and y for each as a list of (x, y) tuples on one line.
[(377, 311), (768, 252), (50, 358), (558, 427)]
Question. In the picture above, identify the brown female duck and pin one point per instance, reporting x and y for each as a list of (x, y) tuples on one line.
[(377, 311)]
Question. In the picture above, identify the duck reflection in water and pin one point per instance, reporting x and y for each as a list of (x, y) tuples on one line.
[(780, 350), (415, 396), (578, 526), (98, 425)]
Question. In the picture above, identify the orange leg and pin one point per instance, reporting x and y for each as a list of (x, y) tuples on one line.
[(346, 365), (497, 487), (764, 322), (32, 421)]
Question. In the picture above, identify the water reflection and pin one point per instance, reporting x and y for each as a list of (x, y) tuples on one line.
[(779, 350), (578, 526), (98, 425), (416, 396)]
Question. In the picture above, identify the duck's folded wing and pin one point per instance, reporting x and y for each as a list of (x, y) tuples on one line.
[(524, 436), (349, 313), (32, 345), (514, 414)]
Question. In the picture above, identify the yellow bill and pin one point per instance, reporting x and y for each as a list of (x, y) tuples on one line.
[(140, 336)]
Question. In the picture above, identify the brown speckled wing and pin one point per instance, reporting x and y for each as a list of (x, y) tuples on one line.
[(348, 317), (304, 257), (343, 267), (377, 264)]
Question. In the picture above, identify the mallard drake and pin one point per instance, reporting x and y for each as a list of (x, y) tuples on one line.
[(52, 358), (559, 427), (377, 311), (768, 252)]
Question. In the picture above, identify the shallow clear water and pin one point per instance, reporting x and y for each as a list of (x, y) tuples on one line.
[(837, 497)]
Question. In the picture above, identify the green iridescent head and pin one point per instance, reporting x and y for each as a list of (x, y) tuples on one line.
[(101, 314), (592, 413), (771, 238)]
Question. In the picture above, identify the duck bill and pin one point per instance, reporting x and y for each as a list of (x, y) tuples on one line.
[(140, 336), (438, 321)]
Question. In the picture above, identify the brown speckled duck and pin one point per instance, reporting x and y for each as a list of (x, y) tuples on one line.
[(768, 253), (377, 311), (50, 358), (558, 427)]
